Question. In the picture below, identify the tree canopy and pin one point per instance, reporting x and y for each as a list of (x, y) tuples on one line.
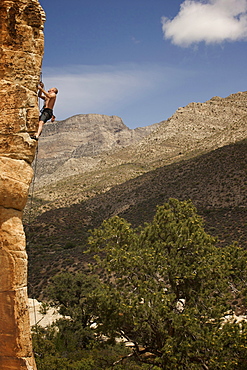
[(166, 288)]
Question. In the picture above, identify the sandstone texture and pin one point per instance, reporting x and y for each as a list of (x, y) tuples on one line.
[(21, 52)]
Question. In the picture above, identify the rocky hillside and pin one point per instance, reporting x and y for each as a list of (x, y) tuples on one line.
[(65, 176), (198, 154), (84, 143), (82, 136), (216, 182)]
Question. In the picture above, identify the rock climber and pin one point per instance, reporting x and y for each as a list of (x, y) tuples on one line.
[(49, 98)]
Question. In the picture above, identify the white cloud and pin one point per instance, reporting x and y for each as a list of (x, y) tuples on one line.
[(211, 21), (135, 40), (106, 89)]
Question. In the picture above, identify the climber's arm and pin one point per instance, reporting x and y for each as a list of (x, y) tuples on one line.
[(46, 94), (41, 86)]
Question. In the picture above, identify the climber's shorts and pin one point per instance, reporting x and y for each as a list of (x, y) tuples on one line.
[(46, 114)]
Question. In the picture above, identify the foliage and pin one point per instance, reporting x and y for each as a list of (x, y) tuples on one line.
[(72, 343), (165, 287), (75, 296), (50, 355)]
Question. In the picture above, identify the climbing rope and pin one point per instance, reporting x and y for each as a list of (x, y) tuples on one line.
[(32, 185), (40, 77), (34, 169), (35, 316), (35, 327), (40, 80)]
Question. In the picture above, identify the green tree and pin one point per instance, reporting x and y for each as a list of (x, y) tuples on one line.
[(166, 287), (75, 296), (71, 343), (100, 356)]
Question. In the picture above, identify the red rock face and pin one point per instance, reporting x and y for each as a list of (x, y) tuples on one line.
[(21, 52)]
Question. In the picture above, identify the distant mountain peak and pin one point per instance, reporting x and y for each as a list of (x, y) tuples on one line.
[(96, 138)]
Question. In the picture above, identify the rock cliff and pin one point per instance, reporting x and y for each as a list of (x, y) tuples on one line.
[(21, 50)]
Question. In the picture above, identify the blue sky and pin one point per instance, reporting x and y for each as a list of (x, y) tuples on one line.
[(142, 59)]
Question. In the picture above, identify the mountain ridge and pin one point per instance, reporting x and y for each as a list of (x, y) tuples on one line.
[(83, 136), (57, 239), (195, 129), (181, 158)]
